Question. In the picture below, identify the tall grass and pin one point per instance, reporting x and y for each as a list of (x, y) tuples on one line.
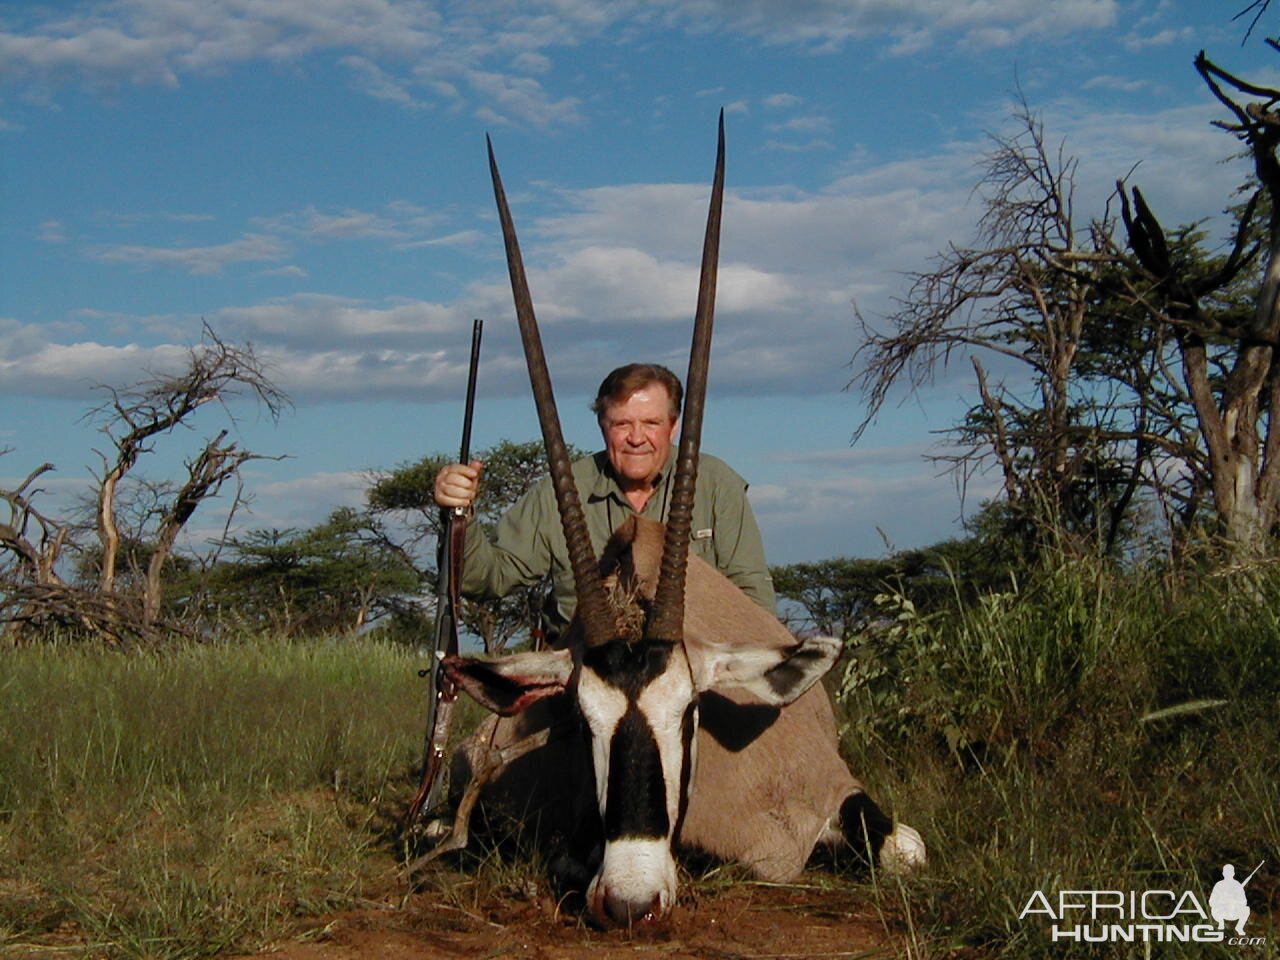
[(172, 803), (1090, 730)]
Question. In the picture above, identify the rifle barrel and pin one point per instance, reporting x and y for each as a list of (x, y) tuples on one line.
[(476, 329)]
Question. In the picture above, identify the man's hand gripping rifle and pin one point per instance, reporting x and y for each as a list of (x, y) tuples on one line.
[(442, 693)]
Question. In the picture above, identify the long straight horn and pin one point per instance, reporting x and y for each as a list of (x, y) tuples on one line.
[(598, 622), (667, 621)]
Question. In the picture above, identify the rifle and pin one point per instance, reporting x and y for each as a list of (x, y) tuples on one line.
[(441, 691)]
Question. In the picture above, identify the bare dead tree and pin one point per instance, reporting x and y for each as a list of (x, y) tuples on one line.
[(1257, 8), (134, 416), (218, 462), (43, 605), (1229, 369), (32, 591), (148, 518), (1128, 367), (1022, 292), (38, 558)]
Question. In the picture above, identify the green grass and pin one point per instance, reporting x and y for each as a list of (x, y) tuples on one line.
[(173, 803), (1090, 729)]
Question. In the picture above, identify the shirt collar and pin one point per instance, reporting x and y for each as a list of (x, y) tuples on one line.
[(606, 482)]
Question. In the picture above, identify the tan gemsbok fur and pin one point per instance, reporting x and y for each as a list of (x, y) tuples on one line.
[(676, 710)]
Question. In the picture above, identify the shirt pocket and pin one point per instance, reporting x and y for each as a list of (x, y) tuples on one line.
[(702, 542)]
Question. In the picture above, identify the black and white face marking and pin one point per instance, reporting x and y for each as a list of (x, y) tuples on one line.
[(638, 700), (639, 703)]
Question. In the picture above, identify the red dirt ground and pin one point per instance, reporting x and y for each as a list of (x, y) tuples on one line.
[(742, 922)]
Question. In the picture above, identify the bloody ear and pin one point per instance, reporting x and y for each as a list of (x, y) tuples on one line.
[(510, 684)]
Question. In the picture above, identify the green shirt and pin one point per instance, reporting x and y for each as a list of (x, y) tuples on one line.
[(529, 540)]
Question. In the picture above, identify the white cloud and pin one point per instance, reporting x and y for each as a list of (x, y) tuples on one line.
[(414, 53), (396, 50), (364, 374), (1161, 38), (782, 100), (379, 84), (613, 271), (53, 231), (326, 321), (788, 146), (251, 247), (520, 99), (911, 42), (460, 238), (127, 221), (95, 51), (1122, 84), (398, 221), (325, 490), (1165, 146), (360, 354), (530, 62), (843, 512), (826, 25), (810, 124), (32, 365)]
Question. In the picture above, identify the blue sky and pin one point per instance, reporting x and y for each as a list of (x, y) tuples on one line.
[(309, 175)]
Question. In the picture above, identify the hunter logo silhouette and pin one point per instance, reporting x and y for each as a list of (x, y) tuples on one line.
[(1228, 902)]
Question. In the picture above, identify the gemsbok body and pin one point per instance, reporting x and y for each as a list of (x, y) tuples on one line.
[(676, 710)]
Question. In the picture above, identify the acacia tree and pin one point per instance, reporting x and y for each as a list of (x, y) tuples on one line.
[(1121, 378), (332, 578), (132, 417), (837, 597), (1022, 293), (136, 523), (1228, 362)]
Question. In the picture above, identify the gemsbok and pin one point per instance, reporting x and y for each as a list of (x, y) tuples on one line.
[(676, 710)]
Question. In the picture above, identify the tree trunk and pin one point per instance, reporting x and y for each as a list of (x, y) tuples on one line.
[(108, 532), (1241, 466)]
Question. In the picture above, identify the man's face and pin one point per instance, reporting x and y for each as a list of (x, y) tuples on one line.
[(638, 434)]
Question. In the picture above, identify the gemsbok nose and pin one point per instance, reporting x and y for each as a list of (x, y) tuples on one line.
[(621, 911)]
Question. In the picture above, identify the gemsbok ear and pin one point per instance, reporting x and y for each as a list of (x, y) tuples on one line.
[(776, 675), (510, 684)]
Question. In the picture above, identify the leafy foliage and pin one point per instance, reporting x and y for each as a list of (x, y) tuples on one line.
[(334, 577), (839, 596), (842, 596)]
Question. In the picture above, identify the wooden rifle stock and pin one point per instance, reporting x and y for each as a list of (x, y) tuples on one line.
[(441, 692)]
